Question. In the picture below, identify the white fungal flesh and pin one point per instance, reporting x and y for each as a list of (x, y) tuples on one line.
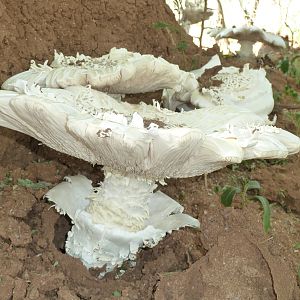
[(95, 127), (248, 89), (127, 210), (252, 33), (246, 49), (119, 72), (137, 144), (247, 36), (100, 235)]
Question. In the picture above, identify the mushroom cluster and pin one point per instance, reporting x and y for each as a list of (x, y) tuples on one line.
[(62, 106)]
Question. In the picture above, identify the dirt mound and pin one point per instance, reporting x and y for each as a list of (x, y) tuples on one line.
[(33, 29), (240, 263)]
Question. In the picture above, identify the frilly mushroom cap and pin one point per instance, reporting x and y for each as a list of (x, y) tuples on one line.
[(249, 33), (247, 89), (95, 127), (120, 72)]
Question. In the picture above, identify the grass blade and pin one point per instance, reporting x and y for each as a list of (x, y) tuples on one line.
[(267, 212), (252, 184), (228, 195)]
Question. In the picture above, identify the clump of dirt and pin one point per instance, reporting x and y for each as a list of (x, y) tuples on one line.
[(145, 97), (206, 80)]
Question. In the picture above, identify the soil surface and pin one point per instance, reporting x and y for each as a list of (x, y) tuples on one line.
[(231, 257), (33, 29)]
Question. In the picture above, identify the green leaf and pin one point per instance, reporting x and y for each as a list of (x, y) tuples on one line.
[(297, 246), (284, 65), (267, 212), (217, 189), (116, 293), (252, 184), (228, 195)]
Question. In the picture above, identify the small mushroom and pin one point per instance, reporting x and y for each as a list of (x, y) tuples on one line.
[(194, 13), (247, 37)]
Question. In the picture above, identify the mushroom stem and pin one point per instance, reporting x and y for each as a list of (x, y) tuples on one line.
[(113, 221), (121, 202), (246, 48)]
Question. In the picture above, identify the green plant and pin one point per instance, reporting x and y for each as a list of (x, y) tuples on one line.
[(194, 64), (289, 91), (7, 180), (217, 189), (294, 118), (246, 165), (277, 96), (117, 293), (297, 246), (182, 46), (284, 65), (290, 65), (27, 183), (163, 25), (247, 186)]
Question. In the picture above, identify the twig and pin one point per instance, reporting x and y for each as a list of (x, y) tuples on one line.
[(202, 24)]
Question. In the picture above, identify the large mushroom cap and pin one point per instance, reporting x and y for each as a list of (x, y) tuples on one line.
[(119, 72), (95, 127)]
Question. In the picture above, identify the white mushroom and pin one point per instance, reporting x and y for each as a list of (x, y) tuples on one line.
[(247, 37), (248, 89), (194, 13), (119, 72), (138, 145)]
